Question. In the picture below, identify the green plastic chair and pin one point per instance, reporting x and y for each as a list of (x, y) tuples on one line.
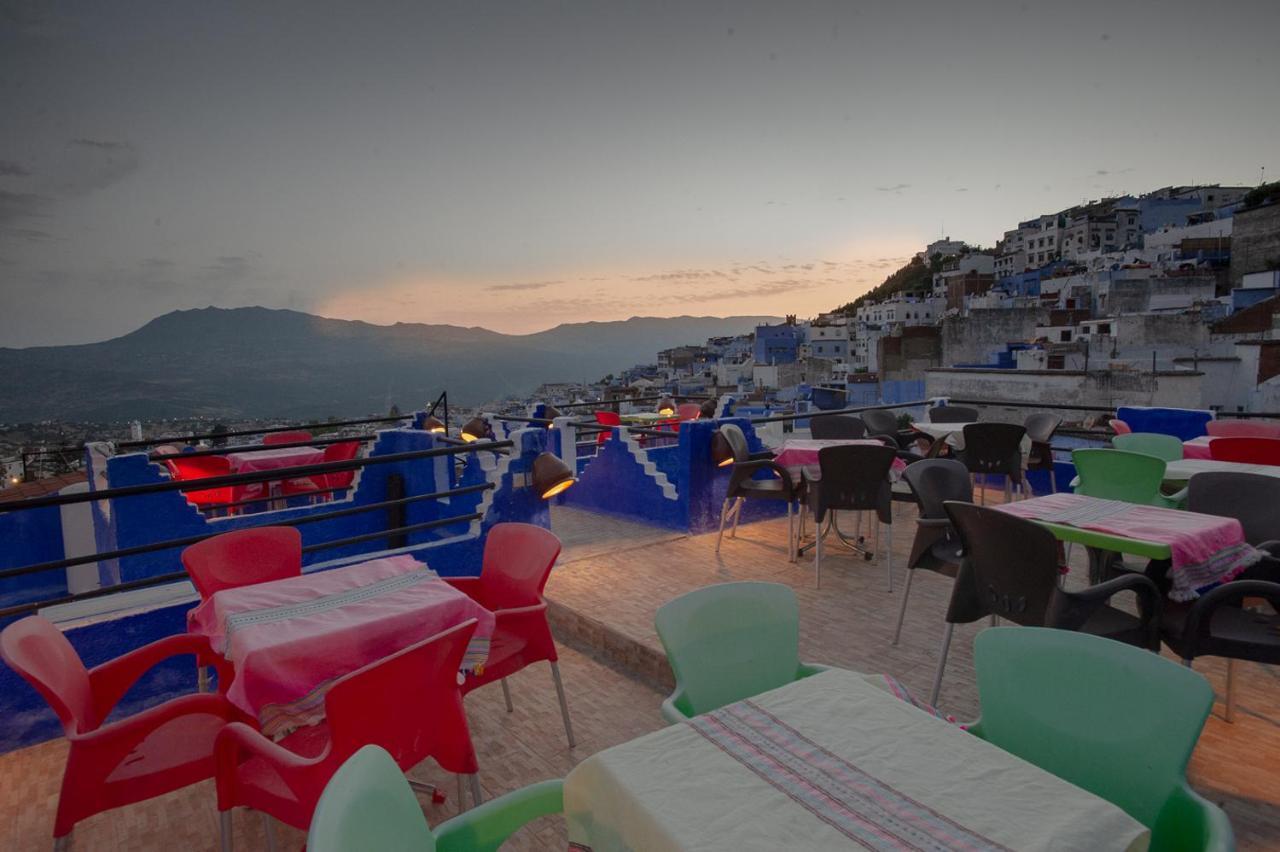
[(368, 805), (1165, 447), (1122, 475), (1110, 718), (729, 642)]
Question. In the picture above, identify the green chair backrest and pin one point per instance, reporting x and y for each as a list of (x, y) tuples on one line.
[(730, 641), (1165, 447), (1119, 475), (1113, 719), (367, 804)]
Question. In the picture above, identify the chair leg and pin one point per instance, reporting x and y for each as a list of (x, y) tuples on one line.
[(1008, 488), (737, 514), (902, 607), (63, 843), (564, 705), (269, 829), (888, 562), (477, 798), (506, 695), (942, 664), (817, 555), (202, 678), (462, 801), (1231, 692), (1053, 480), (724, 512), (791, 535), (224, 831)]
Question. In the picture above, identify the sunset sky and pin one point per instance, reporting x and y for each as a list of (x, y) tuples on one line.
[(521, 164)]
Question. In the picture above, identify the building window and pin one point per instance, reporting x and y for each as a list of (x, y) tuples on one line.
[(1104, 328)]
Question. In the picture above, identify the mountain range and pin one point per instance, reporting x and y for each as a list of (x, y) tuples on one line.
[(259, 362)]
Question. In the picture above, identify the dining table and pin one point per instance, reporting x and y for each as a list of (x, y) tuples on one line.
[(831, 761), (1197, 448), (1181, 471), (952, 435), (289, 639), (1203, 551), (257, 461), (800, 455)]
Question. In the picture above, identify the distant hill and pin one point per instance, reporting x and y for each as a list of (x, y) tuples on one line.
[(915, 277), (256, 362)]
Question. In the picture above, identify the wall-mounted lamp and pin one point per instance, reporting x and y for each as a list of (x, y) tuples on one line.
[(550, 412), (666, 406), (551, 475), (476, 429), (433, 424)]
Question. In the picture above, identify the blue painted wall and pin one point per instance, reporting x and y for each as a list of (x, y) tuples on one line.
[(26, 538)]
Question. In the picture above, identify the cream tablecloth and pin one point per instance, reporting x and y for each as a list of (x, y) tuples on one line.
[(829, 762)]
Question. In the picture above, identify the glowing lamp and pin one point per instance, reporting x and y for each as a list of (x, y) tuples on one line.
[(550, 412), (707, 411), (433, 424), (721, 451), (666, 406), (475, 429), (551, 475)]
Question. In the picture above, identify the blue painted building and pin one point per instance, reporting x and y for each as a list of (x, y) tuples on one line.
[(778, 344)]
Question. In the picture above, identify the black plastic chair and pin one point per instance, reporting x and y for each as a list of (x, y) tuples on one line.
[(994, 448), (836, 427), (1040, 429), (854, 478), (937, 546), (744, 486), (952, 414), (1217, 625), (882, 422), (1250, 498), (1010, 570)]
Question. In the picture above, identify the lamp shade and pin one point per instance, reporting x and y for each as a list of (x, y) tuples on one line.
[(721, 452), (666, 406), (433, 424), (707, 411), (476, 429), (551, 475), (550, 412)]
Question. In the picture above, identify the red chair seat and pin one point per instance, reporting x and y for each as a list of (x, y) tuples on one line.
[(181, 745)]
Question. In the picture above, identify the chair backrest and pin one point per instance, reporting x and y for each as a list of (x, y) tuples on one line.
[(1164, 447), (517, 561), (1010, 567), (880, 421), (1250, 498), (688, 410), (294, 437), (1119, 427), (1041, 426), (837, 426), (368, 804), (737, 441), (344, 451), (855, 476), (730, 641), (166, 450), (993, 447), (408, 703), (1111, 718), (608, 418), (37, 650), (952, 414), (1119, 475), (201, 467), (1246, 450), (1243, 428), (935, 481), (242, 558)]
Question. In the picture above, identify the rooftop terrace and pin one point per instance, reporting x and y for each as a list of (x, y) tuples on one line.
[(612, 576)]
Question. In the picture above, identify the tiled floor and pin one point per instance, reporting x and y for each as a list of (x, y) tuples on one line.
[(612, 577)]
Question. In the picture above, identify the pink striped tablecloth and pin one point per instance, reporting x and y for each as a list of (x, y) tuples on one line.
[(1207, 550), (290, 639), (262, 460), (798, 453), (1197, 448)]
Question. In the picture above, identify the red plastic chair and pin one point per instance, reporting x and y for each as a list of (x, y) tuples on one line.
[(111, 764), (295, 437), (242, 558), (607, 418), (1247, 450), (517, 562), (1243, 428), (324, 482), (688, 411), (408, 703), (1119, 427), (203, 467)]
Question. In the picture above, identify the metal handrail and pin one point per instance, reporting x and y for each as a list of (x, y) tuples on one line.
[(246, 478), (186, 439), (777, 418), (258, 448)]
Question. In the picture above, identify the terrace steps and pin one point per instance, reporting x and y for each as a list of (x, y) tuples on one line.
[(641, 455)]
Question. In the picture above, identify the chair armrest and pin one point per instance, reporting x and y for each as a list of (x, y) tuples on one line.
[(743, 471), (760, 455), (238, 742), (486, 827), (933, 523), (111, 680), (1071, 610), (122, 735), (1272, 547), (1175, 499), (1193, 820), (1200, 617), (810, 669)]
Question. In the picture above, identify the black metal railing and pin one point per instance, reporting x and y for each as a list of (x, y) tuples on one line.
[(808, 415), (258, 448)]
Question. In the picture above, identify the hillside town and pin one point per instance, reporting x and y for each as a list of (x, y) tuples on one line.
[(1168, 298)]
